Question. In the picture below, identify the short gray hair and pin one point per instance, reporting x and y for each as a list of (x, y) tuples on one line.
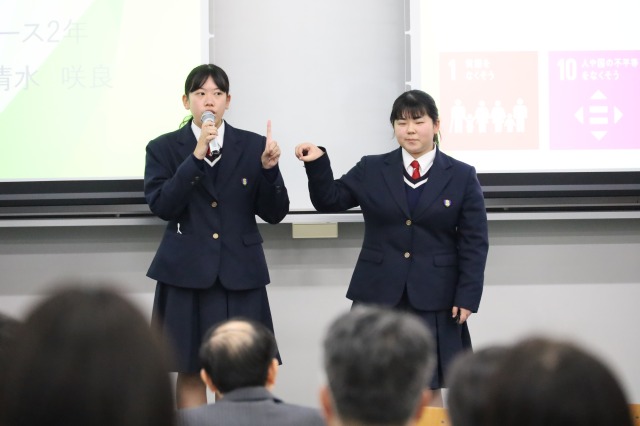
[(378, 361)]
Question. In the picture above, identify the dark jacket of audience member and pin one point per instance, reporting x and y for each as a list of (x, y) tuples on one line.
[(378, 363), (86, 357), (240, 366)]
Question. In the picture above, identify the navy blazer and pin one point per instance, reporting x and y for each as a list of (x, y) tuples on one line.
[(250, 406), (438, 251), (212, 231)]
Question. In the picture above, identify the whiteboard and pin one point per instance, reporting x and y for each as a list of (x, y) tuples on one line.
[(325, 72)]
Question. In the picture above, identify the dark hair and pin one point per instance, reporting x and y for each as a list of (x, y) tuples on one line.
[(237, 353), (378, 361), (553, 383), (8, 328), (86, 357), (200, 74), (469, 378), (415, 104)]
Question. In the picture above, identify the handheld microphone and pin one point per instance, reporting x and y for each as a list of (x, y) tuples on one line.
[(209, 116)]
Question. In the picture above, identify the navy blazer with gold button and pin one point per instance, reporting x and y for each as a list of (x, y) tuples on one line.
[(212, 231), (438, 250)]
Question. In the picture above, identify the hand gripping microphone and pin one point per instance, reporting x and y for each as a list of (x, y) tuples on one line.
[(209, 116)]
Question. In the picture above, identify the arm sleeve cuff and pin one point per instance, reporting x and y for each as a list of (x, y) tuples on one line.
[(271, 174), (199, 163)]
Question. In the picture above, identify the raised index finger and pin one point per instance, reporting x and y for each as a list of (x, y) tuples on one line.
[(268, 131)]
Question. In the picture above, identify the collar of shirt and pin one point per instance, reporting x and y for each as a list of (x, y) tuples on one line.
[(425, 161), (220, 139)]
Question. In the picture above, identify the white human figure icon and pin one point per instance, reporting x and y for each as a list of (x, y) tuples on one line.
[(469, 120), (498, 115), (510, 123), (520, 114), (482, 117), (457, 116)]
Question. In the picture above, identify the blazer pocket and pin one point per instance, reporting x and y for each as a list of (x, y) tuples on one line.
[(370, 255), (252, 239), (445, 259), (177, 251)]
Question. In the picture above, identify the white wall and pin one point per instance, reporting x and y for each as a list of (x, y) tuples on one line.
[(324, 71), (578, 279)]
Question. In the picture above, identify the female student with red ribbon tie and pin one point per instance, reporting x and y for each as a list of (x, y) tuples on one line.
[(426, 241)]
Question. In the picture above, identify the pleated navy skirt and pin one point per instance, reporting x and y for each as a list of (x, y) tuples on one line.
[(184, 315), (451, 338)]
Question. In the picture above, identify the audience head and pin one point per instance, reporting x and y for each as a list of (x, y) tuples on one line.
[(469, 380), (238, 353), (547, 382), (8, 328), (86, 356), (378, 364)]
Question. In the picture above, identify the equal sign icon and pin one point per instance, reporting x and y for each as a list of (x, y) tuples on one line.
[(599, 116)]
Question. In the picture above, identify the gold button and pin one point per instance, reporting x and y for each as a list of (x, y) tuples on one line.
[(407, 255), (216, 236), (408, 222), (214, 204)]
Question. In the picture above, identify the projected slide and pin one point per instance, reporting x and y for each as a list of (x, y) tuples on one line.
[(594, 101), (85, 84), (491, 100), (545, 86)]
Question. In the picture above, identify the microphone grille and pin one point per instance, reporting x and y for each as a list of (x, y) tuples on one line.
[(207, 115)]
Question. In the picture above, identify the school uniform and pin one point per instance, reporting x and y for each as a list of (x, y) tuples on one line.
[(425, 243), (210, 264)]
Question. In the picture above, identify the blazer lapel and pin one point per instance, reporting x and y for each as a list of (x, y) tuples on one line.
[(392, 174), (186, 141), (439, 176), (231, 154)]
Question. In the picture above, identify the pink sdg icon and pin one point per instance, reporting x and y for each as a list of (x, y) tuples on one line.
[(597, 116)]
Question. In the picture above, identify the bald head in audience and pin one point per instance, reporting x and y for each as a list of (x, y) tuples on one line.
[(238, 353), (239, 365)]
